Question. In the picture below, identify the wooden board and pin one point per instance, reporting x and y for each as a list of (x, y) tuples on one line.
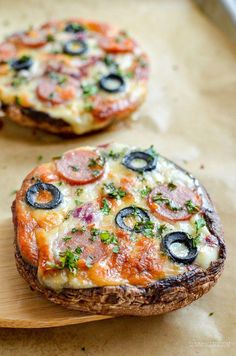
[(19, 306)]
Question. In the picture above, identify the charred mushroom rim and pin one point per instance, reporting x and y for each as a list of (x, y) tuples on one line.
[(130, 241)]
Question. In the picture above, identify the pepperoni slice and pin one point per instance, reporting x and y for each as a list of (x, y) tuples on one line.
[(7, 51), (105, 109), (118, 44), (172, 203), (51, 91), (33, 39), (80, 166)]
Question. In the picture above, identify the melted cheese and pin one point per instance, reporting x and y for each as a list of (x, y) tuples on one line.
[(59, 222), (73, 111)]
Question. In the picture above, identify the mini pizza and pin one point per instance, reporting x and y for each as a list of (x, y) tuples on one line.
[(71, 77), (117, 230)]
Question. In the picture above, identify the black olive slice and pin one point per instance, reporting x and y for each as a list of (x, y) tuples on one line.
[(74, 28), (112, 83), (31, 196), (140, 161), (131, 211), (23, 62), (168, 242), (75, 47)]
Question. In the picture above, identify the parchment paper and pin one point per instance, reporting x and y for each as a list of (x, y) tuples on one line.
[(189, 116)]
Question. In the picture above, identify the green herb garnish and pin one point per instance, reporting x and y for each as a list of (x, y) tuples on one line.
[(50, 38), (158, 198), (161, 229), (113, 155), (105, 207), (113, 192), (145, 227), (89, 89), (79, 191), (68, 259), (18, 81), (191, 207), (67, 238), (171, 186), (144, 192), (108, 237), (74, 168), (116, 249), (199, 224)]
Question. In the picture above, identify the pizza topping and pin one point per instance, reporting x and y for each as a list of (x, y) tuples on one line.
[(80, 166), (43, 196), (86, 213), (174, 204), (132, 219), (56, 91), (118, 44), (74, 27), (112, 83), (24, 62), (75, 47), (33, 39), (7, 51), (113, 192), (139, 161), (179, 247)]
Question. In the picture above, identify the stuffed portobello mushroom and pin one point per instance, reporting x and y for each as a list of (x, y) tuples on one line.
[(71, 76), (117, 230)]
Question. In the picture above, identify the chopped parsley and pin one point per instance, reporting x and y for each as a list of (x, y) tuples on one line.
[(191, 207), (67, 238), (17, 100), (158, 198), (105, 207), (74, 168), (144, 192), (161, 229), (171, 186), (92, 162), (58, 78), (78, 202), (50, 38), (106, 237), (18, 81), (68, 259), (94, 231), (78, 250), (89, 89), (114, 192), (109, 61), (79, 191), (145, 227), (68, 214), (113, 155), (95, 172), (74, 230), (116, 249), (199, 224)]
